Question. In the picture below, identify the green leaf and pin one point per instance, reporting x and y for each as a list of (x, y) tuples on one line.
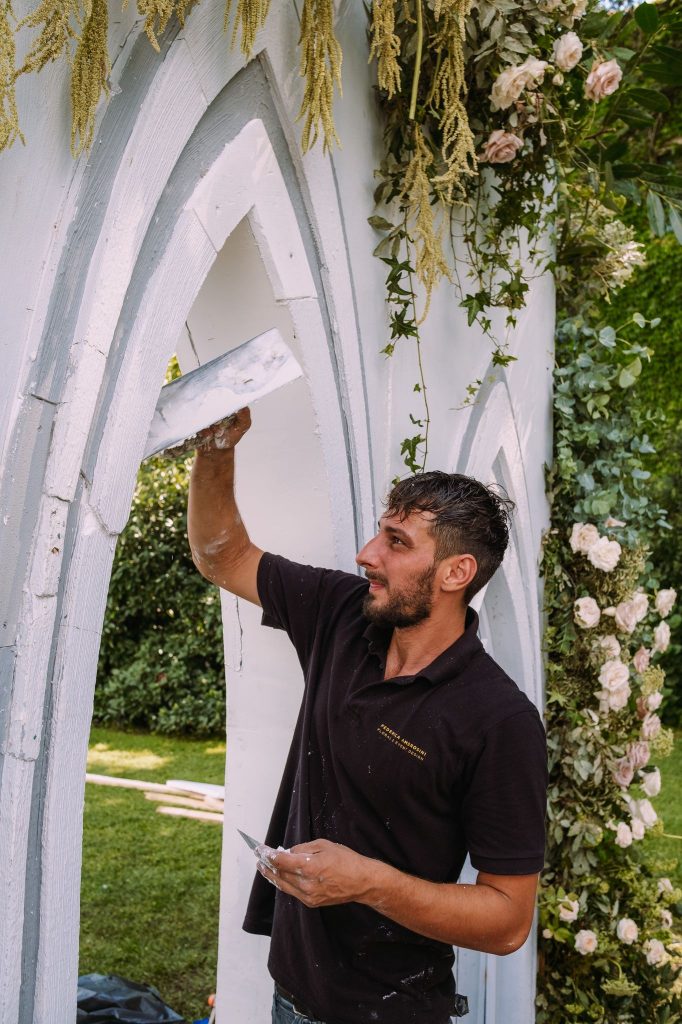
[(669, 74), (626, 170), (379, 223), (650, 99), (616, 150), (646, 17), (607, 337), (639, 319), (656, 213), (635, 118), (675, 222)]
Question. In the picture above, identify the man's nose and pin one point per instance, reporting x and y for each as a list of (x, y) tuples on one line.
[(366, 556)]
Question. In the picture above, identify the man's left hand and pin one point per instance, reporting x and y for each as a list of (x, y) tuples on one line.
[(319, 874)]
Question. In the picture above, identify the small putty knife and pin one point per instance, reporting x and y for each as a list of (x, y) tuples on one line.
[(218, 389)]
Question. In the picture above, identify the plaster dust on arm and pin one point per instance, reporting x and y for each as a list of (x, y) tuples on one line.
[(221, 548)]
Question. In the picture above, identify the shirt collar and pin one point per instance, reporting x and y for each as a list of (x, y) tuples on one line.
[(447, 665)]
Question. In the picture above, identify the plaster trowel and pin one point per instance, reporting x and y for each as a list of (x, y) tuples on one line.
[(217, 390)]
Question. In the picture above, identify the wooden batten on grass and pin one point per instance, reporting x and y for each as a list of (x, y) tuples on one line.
[(181, 799), (182, 812)]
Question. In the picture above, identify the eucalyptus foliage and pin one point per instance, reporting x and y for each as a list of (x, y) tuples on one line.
[(608, 951)]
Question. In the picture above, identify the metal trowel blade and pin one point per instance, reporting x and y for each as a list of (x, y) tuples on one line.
[(220, 388)]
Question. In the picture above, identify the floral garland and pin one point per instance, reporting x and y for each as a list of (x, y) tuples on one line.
[(608, 950)]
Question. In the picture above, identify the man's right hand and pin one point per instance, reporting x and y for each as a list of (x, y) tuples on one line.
[(226, 433)]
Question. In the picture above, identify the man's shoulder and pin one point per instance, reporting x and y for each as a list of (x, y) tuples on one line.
[(334, 586), (493, 696)]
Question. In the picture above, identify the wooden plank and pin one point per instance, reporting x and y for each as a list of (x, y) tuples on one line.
[(186, 801), (112, 780), (180, 812)]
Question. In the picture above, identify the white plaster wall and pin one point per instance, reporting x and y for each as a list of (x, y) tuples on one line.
[(352, 417)]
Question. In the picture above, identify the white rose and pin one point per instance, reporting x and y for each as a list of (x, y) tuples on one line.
[(627, 931), (579, 9), (651, 726), (583, 536), (644, 812), (641, 660), (586, 941), (666, 918), (654, 700), (509, 85), (604, 554), (665, 599), (610, 646), (546, 933), (613, 674), (568, 909), (661, 637), (586, 612), (623, 835), (637, 829), (615, 688), (567, 51), (655, 952), (501, 147), (664, 885), (651, 782), (629, 613), (603, 80)]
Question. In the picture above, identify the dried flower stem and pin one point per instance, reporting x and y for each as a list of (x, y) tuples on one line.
[(417, 61), (321, 67), (9, 119)]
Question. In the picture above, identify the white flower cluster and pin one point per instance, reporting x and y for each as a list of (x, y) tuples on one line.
[(603, 553), (627, 931)]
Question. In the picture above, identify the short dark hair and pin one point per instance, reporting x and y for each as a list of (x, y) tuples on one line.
[(469, 518)]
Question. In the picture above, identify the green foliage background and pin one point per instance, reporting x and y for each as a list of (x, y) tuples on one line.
[(161, 663), (656, 291)]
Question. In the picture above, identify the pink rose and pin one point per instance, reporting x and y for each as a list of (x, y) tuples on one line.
[(651, 726), (623, 773), (638, 754), (641, 660), (603, 79), (501, 147)]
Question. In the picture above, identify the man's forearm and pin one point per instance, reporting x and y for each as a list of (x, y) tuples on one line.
[(478, 916), (216, 533), (493, 916)]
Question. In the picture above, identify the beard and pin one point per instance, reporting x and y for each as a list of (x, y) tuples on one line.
[(406, 607)]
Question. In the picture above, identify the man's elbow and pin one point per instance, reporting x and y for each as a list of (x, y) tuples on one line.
[(510, 942)]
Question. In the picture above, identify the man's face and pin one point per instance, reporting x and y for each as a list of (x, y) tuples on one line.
[(399, 564)]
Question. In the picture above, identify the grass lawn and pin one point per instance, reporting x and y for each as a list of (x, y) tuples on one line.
[(668, 806), (150, 886)]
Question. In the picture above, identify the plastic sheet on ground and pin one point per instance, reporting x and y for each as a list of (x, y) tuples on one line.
[(109, 999)]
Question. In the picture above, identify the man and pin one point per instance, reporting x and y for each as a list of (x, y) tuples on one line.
[(412, 748)]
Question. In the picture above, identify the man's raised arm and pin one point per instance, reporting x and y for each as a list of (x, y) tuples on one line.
[(220, 546)]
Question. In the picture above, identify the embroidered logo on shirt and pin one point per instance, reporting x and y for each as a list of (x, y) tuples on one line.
[(393, 737)]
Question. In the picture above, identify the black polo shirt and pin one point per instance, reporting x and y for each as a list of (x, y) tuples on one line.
[(415, 771)]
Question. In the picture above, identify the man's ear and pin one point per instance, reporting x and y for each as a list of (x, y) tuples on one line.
[(458, 572)]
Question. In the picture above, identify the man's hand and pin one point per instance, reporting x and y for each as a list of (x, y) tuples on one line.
[(224, 434), (319, 874)]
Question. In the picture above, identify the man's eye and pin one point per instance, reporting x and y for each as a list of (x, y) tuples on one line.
[(396, 540)]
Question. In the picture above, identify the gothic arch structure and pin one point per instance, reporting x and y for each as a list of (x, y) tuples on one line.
[(111, 255)]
